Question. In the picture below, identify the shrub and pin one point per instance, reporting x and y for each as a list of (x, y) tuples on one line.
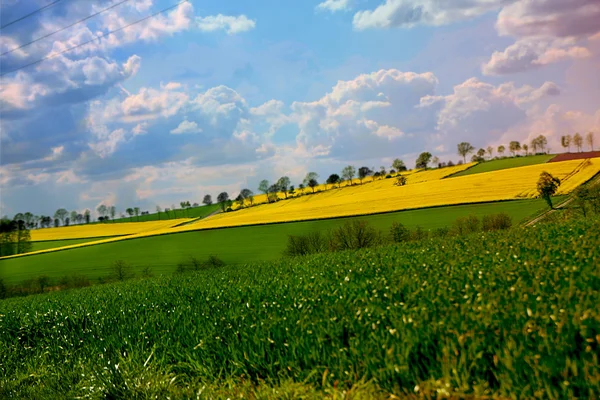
[(496, 222), (466, 225), (399, 233), (441, 232), (419, 234), (388, 176), (121, 270), (314, 242), (147, 272), (400, 181), (3, 290), (355, 234), (213, 262), (195, 264), (181, 268)]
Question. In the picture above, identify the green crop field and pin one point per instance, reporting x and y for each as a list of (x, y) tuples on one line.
[(234, 245), (505, 163), (194, 212), (512, 314), (52, 244)]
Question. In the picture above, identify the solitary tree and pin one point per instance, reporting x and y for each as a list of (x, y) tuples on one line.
[(313, 183), (61, 214), (526, 149), (490, 151), (465, 149), (514, 147), (423, 159), (547, 186), (348, 173), (222, 199), (263, 186), (565, 142), (589, 138), (310, 176), (284, 185), (363, 172), (333, 179), (578, 142), (207, 200), (501, 150), (87, 215), (129, 212)]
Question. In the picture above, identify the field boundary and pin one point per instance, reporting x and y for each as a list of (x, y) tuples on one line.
[(134, 236), (92, 238)]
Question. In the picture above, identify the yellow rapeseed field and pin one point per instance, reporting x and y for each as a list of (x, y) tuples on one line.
[(381, 195), (374, 197), (101, 230)]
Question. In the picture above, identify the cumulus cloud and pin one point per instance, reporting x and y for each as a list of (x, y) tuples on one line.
[(334, 5), (409, 13), (529, 53), (186, 127), (228, 23)]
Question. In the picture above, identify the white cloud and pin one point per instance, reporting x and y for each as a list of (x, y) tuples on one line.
[(228, 23), (409, 13), (529, 53), (334, 5), (186, 127)]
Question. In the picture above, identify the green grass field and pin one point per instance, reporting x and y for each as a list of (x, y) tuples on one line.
[(52, 244), (496, 165), (512, 314), (233, 245), (195, 212)]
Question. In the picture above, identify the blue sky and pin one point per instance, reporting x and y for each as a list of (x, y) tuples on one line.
[(213, 97)]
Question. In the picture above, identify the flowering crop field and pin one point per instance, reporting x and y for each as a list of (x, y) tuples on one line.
[(383, 196), (511, 314), (101, 230)]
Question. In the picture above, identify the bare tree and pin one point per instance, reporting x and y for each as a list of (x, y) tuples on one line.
[(589, 138), (565, 142), (490, 151), (578, 142), (514, 147), (501, 150)]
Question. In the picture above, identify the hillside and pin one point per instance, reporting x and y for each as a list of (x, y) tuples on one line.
[(470, 316)]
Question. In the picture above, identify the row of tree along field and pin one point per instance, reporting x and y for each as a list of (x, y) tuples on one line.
[(63, 217)]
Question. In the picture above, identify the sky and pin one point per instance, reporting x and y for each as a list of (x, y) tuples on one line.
[(216, 96)]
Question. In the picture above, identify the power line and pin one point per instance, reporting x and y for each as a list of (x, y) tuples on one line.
[(66, 27), (97, 37), (30, 14)]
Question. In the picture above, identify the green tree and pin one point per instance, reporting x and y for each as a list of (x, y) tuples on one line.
[(490, 151), (423, 159), (263, 186), (547, 185), (222, 199), (313, 183), (363, 172), (309, 177), (136, 211), (207, 200), (526, 149), (61, 214), (247, 194), (398, 165), (284, 185), (464, 149), (565, 142), (514, 147), (333, 179), (501, 150)]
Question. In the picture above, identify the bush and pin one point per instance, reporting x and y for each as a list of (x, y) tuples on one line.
[(419, 234), (312, 243), (352, 235), (213, 262), (147, 272), (399, 233), (388, 176), (400, 181), (441, 232), (466, 225), (496, 222), (121, 270), (3, 289)]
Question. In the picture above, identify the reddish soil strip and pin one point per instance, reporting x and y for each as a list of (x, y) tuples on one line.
[(575, 156)]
